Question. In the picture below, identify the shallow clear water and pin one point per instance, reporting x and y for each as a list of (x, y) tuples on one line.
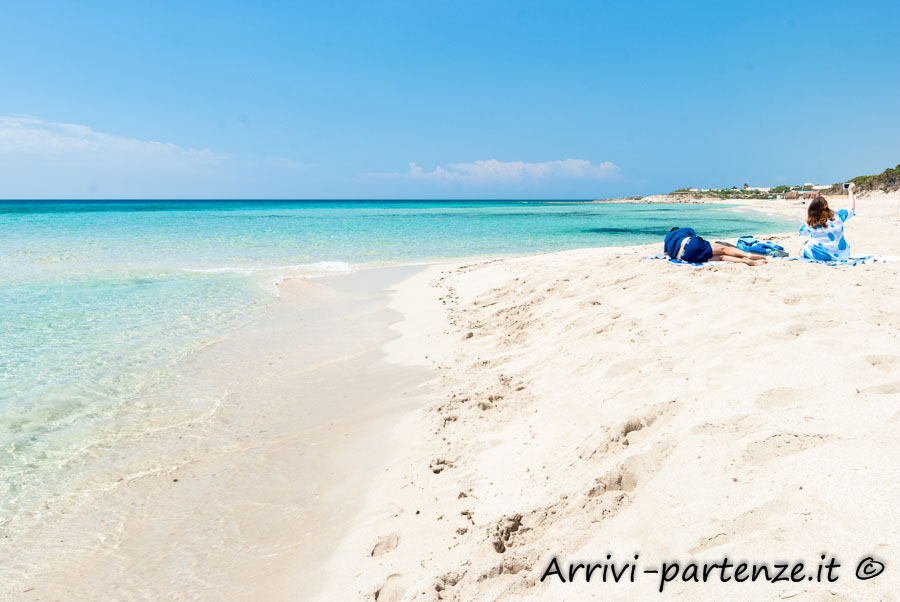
[(101, 299)]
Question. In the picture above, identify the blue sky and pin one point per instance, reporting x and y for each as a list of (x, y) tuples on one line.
[(441, 99)]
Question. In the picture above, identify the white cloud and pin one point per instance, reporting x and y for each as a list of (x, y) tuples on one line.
[(46, 159), (53, 144), (492, 170)]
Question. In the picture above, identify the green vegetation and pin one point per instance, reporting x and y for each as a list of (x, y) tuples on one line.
[(724, 193), (886, 181)]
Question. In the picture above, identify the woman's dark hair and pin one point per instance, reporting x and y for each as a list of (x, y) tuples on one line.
[(819, 213), (673, 229)]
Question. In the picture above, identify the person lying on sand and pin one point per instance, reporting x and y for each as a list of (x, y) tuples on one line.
[(684, 244), (825, 229)]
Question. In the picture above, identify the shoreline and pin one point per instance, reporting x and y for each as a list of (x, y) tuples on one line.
[(204, 399), (782, 208), (258, 486), (430, 318), (776, 211)]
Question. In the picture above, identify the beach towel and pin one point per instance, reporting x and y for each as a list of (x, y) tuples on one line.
[(854, 260), (677, 261), (745, 242), (748, 244)]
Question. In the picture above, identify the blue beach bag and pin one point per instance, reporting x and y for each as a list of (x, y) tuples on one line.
[(751, 245)]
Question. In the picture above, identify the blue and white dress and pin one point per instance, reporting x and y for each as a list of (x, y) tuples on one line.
[(827, 243)]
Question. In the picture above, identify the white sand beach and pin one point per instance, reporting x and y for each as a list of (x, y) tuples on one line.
[(595, 403), (370, 301), (445, 437)]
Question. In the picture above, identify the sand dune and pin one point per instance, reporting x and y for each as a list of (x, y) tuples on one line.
[(591, 403)]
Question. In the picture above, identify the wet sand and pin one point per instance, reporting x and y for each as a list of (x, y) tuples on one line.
[(246, 501)]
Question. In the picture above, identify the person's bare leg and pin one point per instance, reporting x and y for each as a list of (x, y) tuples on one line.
[(743, 260), (720, 252), (738, 253)]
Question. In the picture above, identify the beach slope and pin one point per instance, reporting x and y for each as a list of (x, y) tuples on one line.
[(595, 406)]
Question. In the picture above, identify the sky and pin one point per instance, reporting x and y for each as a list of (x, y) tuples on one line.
[(439, 99)]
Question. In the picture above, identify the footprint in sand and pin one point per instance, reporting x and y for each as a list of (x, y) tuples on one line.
[(510, 565), (631, 425), (638, 423), (447, 581), (385, 544), (781, 444), (740, 527), (626, 368), (391, 590), (595, 444), (620, 479), (660, 411), (888, 363), (599, 443), (438, 465), (634, 470), (885, 389), (779, 397), (501, 532), (795, 330)]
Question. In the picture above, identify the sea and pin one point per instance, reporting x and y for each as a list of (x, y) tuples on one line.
[(102, 300)]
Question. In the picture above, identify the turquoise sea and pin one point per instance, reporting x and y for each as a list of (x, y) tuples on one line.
[(100, 300)]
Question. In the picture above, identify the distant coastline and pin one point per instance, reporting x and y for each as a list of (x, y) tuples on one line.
[(883, 184)]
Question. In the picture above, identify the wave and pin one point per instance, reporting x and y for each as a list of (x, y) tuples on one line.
[(328, 266), (271, 286), (314, 268)]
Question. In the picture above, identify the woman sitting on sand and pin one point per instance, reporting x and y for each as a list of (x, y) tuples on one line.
[(825, 230), (684, 244)]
